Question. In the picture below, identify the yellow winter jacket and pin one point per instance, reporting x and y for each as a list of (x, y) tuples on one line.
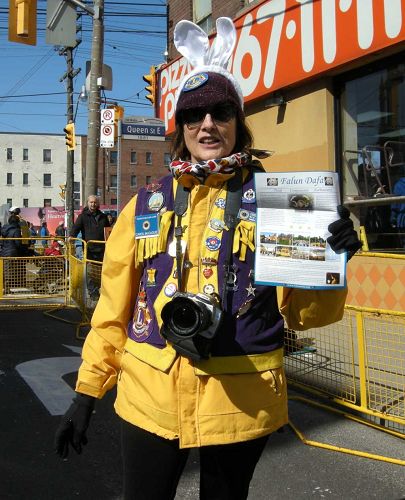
[(175, 398)]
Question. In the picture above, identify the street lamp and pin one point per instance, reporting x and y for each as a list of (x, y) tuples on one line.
[(82, 98)]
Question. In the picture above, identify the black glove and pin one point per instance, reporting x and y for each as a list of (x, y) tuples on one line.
[(72, 429), (344, 238)]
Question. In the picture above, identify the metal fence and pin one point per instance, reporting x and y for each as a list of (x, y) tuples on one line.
[(358, 363)]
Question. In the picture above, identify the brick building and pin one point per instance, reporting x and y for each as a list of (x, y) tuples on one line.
[(144, 159), (202, 12)]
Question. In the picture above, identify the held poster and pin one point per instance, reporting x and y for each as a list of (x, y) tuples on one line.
[(294, 210)]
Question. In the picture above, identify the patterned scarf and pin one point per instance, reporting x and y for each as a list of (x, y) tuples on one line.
[(202, 169)]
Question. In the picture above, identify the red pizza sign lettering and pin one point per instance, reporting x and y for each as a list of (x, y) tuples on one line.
[(282, 42)]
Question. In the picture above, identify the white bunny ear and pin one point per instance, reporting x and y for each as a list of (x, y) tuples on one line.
[(192, 42), (224, 43)]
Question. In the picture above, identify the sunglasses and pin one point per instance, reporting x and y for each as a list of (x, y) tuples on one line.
[(220, 113)]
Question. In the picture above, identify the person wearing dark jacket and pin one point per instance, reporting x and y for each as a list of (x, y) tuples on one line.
[(91, 223), (12, 248), (14, 271)]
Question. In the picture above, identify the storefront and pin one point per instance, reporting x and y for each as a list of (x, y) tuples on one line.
[(324, 89)]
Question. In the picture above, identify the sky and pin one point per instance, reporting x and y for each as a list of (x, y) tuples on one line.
[(32, 99)]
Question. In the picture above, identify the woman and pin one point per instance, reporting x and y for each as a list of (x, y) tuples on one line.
[(221, 389)]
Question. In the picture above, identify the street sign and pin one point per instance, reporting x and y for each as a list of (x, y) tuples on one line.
[(107, 116), (60, 23), (107, 136), (149, 129)]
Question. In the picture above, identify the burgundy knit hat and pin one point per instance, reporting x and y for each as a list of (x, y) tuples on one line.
[(207, 89)]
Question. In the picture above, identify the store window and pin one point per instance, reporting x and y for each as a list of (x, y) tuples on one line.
[(372, 115)]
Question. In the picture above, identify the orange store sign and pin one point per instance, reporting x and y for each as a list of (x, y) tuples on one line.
[(282, 42)]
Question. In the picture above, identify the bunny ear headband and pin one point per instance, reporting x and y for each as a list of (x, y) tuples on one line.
[(192, 42)]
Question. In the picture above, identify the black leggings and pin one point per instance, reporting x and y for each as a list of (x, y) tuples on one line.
[(153, 466)]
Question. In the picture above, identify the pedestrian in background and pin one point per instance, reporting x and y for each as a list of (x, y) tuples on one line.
[(44, 232), (195, 349), (24, 227), (12, 246), (111, 219), (91, 223), (60, 230)]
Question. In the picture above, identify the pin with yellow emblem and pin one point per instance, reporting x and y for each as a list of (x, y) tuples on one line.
[(151, 280)]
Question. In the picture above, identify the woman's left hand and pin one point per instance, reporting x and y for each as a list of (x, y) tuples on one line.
[(344, 238)]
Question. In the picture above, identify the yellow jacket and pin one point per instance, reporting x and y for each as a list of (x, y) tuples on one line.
[(174, 398)]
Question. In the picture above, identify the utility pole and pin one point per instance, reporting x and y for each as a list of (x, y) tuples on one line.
[(119, 165), (70, 158), (93, 133)]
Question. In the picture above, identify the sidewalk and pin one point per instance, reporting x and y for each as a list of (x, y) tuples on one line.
[(288, 469)]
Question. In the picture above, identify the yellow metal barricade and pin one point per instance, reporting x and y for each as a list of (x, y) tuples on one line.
[(359, 362), (34, 279)]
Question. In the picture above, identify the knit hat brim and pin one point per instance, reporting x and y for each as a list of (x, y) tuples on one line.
[(207, 88)]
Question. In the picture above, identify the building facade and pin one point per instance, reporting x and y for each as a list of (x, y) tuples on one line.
[(33, 169), (142, 158), (33, 166), (324, 88)]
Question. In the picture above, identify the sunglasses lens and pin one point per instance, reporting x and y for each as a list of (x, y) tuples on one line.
[(219, 113), (194, 116), (223, 112)]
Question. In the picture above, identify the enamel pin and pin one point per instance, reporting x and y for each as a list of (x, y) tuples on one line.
[(156, 201)]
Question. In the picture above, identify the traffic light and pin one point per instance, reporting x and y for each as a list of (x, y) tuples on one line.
[(70, 136), (151, 87), (118, 116), (22, 21)]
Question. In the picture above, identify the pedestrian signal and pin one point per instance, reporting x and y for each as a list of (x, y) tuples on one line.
[(150, 79), (70, 136)]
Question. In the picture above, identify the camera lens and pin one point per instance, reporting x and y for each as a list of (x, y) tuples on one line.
[(185, 317)]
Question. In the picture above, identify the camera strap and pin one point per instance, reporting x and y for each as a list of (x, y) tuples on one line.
[(232, 207), (180, 208)]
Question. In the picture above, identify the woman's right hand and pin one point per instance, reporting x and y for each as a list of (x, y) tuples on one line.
[(73, 427)]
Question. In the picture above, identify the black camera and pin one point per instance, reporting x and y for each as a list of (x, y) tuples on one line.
[(190, 322)]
